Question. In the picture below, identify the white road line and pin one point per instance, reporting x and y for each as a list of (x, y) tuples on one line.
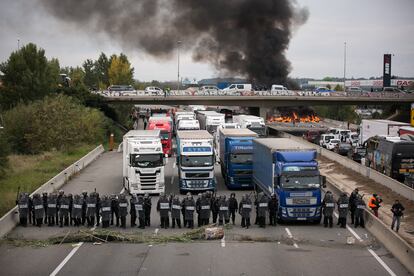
[(223, 242), (384, 265), (122, 191), (172, 180), (174, 165), (291, 237), (60, 266)]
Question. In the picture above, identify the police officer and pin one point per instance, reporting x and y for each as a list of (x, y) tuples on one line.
[(77, 210), (233, 205), (140, 210), (59, 198), (223, 210), (44, 200), (23, 204), (123, 209), (273, 209), (245, 208), (64, 211), (38, 209), (214, 207), (91, 209), (342, 203), (328, 207), (175, 211), (359, 212), (352, 204), (163, 207), (114, 209), (132, 210), (106, 211), (262, 209), (71, 219), (98, 208), (84, 206), (204, 210), (198, 209), (32, 219), (188, 205), (51, 208), (147, 209)]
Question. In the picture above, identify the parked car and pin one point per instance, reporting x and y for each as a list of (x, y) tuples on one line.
[(153, 91), (325, 138), (209, 90), (236, 89), (354, 89), (312, 136), (392, 89), (357, 153), (332, 144), (279, 90), (343, 148)]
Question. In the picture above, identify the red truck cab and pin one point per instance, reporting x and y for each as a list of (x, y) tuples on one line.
[(166, 133)]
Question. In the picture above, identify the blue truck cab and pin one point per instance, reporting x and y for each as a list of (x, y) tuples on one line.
[(236, 157), (289, 170)]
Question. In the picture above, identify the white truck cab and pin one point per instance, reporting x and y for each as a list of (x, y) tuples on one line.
[(188, 125), (143, 162), (254, 123)]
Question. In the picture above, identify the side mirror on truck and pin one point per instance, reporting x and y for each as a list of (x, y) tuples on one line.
[(323, 181)]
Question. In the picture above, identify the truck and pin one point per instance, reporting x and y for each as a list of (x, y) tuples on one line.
[(236, 150), (143, 162), (210, 120), (289, 169), (182, 115), (371, 128), (195, 161), (254, 123), (164, 124), (188, 125)]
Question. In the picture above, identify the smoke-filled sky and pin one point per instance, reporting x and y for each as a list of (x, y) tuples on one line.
[(147, 34)]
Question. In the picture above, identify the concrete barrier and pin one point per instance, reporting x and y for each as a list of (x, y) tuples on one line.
[(378, 177), (398, 247), (11, 218)]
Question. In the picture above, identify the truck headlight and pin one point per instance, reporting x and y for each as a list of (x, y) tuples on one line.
[(231, 180)]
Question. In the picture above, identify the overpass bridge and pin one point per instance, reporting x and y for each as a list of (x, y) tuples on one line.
[(262, 101)]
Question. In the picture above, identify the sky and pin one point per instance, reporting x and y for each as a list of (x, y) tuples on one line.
[(370, 29)]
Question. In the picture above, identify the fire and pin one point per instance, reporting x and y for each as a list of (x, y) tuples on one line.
[(294, 118)]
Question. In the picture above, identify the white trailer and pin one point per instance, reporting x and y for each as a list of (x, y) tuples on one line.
[(210, 120), (188, 125), (370, 128), (143, 162), (254, 123)]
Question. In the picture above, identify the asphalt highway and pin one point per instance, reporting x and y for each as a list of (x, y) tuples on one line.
[(288, 249)]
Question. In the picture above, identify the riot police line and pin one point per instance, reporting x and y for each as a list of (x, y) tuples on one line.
[(91, 209)]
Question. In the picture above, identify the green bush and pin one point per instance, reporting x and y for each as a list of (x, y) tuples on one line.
[(56, 122), (4, 150)]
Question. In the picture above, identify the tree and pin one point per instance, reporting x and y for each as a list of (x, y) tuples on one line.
[(328, 86), (77, 76), (4, 151), (27, 76), (91, 79), (120, 71), (327, 79), (101, 68), (338, 88)]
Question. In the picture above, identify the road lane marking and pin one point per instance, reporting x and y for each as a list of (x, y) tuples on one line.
[(60, 266), (223, 242), (174, 165), (384, 265), (291, 237), (172, 180), (122, 191)]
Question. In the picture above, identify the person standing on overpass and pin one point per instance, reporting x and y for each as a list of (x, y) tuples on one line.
[(397, 211), (375, 203)]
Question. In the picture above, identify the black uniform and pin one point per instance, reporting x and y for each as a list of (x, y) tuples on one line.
[(106, 211), (245, 208), (163, 207), (233, 206), (204, 210), (273, 209), (114, 210), (328, 207), (262, 208), (359, 212), (140, 210), (123, 210), (352, 204), (214, 208), (132, 210), (98, 208), (198, 209), (58, 202), (189, 208), (64, 211), (84, 206), (175, 212), (91, 209), (71, 219), (23, 204), (38, 209), (343, 204), (77, 210), (223, 210), (147, 210), (51, 209), (44, 200)]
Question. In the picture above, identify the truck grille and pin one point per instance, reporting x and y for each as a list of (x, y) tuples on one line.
[(197, 183), (242, 173), (301, 212), (148, 180)]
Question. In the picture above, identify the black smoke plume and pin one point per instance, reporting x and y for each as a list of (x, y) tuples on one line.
[(247, 38)]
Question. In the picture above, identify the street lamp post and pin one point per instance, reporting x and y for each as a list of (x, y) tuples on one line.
[(178, 64), (344, 64)]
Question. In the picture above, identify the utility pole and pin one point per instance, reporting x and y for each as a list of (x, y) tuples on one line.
[(18, 44), (178, 63), (344, 64)]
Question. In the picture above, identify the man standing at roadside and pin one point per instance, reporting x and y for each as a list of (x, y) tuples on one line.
[(375, 203), (397, 211)]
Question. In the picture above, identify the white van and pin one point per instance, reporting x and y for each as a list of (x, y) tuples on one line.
[(279, 90), (236, 89), (325, 138)]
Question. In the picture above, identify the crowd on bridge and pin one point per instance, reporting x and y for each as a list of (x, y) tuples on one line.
[(92, 210)]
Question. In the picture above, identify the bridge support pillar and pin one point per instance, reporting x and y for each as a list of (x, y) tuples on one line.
[(264, 113)]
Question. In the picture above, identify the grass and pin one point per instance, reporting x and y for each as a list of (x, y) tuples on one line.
[(30, 172)]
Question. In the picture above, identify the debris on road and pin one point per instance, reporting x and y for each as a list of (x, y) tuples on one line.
[(214, 233)]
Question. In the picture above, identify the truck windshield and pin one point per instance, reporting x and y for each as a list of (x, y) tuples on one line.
[(146, 160), (261, 131), (241, 158), (165, 135), (300, 182), (197, 161)]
